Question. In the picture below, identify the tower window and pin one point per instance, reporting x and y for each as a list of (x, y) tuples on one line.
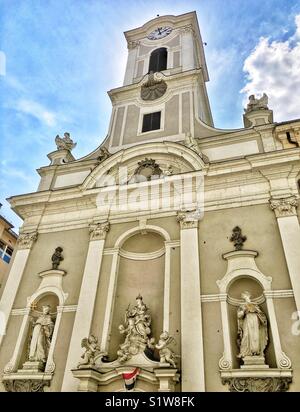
[(151, 121), (158, 60)]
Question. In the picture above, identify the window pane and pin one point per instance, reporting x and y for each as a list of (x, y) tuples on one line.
[(9, 251), (151, 121), (6, 258), (155, 121), (146, 123)]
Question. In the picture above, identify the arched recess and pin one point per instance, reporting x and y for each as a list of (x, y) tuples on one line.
[(140, 264), (49, 292), (242, 268)]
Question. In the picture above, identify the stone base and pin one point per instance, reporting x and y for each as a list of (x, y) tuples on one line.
[(254, 362), (257, 379), (32, 367)]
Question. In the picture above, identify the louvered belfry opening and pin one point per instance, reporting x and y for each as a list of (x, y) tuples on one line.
[(158, 60)]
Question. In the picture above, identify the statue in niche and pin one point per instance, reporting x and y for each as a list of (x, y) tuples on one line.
[(41, 336), (165, 353), (64, 143), (257, 104), (57, 257), (252, 328), (92, 350), (136, 329)]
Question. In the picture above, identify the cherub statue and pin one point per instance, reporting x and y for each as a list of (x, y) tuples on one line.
[(92, 350), (165, 353), (57, 257), (65, 143), (103, 154)]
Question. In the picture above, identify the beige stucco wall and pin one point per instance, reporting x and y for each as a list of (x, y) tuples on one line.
[(259, 224), (171, 122), (290, 342), (9, 342), (74, 244), (213, 345)]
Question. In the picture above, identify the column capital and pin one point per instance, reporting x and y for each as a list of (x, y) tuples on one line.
[(98, 231), (26, 240), (132, 44), (284, 207), (187, 29), (188, 219)]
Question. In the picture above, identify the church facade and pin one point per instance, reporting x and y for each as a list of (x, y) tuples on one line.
[(168, 258)]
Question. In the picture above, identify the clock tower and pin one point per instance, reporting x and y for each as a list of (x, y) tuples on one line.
[(164, 95)]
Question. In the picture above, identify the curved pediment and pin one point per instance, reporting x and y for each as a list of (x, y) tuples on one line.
[(148, 161)]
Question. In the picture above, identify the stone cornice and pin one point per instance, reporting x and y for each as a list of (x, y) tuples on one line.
[(130, 92)]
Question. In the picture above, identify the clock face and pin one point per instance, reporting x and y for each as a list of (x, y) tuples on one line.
[(159, 33)]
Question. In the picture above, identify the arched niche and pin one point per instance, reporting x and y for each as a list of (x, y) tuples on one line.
[(235, 289), (242, 272), (36, 309), (49, 292), (141, 269)]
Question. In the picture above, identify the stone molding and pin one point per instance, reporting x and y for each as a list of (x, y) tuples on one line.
[(25, 385), (26, 240), (284, 207), (275, 294), (98, 231), (258, 384), (132, 44), (188, 219)]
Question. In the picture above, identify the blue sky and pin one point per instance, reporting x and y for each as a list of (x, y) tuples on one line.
[(62, 56)]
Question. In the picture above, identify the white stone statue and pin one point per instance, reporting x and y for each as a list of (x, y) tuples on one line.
[(257, 104), (92, 350), (65, 143), (165, 353), (252, 328), (41, 336), (136, 329)]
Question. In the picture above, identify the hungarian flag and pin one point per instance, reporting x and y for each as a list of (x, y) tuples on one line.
[(130, 378)]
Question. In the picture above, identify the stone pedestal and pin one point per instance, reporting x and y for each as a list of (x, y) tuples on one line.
[(167, 379), (254, 362), (258, 117), (61, 156), (32, 367)]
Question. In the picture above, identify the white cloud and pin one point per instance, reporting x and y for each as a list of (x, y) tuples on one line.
[(274, 68), (36, 110)]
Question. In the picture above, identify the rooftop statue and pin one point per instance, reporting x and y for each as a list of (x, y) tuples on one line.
[(64, 143), (257, 104)]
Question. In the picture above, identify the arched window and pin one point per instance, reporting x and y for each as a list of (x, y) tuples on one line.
[(158, 60)]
